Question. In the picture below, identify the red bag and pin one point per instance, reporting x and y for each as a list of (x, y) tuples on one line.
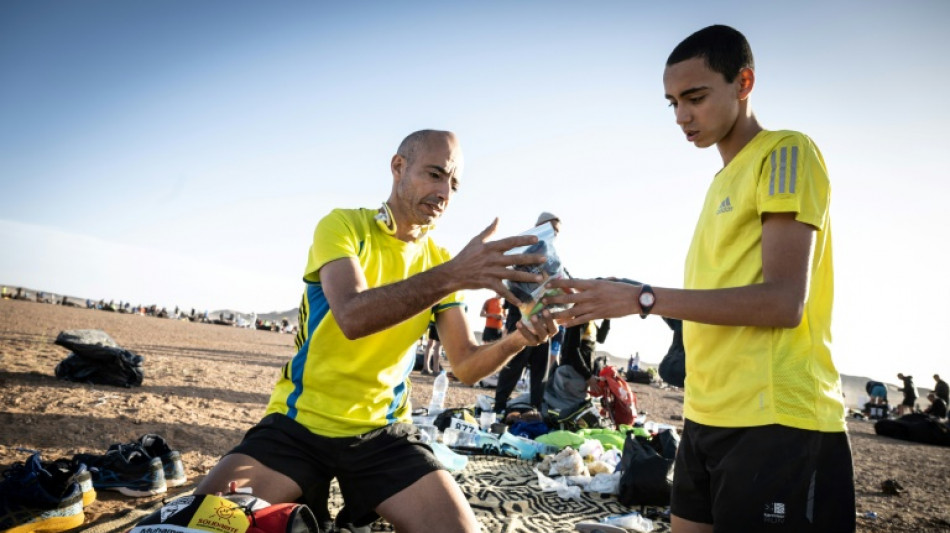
[(618, 402)]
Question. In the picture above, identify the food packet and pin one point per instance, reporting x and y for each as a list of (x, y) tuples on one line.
[(531, 293)]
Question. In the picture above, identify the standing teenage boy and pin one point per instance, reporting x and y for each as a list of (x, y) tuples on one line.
[(764, 445)]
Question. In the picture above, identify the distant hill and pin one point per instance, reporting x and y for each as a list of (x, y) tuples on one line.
[(290, 314)]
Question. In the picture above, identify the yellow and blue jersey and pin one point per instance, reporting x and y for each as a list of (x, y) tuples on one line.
[(338, 387)]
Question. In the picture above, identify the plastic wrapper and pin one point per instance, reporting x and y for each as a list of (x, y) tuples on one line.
[(592, 449), (564, 491), (530, 294), (569, 463), (605, 483), (633, 521), (599, 467)]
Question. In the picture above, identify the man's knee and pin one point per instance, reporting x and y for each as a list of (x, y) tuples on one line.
[(433, 503)]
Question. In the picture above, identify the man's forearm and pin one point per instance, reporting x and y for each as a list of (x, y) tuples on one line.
[(483, 361), (375, 309)]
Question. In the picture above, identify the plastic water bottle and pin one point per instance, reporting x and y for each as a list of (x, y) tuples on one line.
[(439, 388)]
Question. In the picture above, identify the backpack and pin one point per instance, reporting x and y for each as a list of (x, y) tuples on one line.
[(582, 416), (237, 513), (647, 467), (96, 358), (915, 427), (618, 402)]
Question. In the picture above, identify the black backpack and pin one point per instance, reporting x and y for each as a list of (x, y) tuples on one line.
[(96, 358)]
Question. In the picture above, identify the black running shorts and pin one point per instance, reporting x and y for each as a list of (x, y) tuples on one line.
[(767, 478), (369, 468), (491, 335)]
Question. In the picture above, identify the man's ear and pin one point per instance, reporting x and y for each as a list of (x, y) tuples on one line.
[(746, 81), (397, 166)]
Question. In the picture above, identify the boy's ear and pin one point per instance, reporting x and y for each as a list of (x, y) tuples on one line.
[(746, 81)]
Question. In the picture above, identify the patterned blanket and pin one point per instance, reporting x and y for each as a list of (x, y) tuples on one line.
[(503, 492)]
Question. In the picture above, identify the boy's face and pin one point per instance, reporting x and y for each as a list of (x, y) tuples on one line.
[(705, 104)]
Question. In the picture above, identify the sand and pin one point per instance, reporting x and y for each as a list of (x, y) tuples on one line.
[(205, 385)]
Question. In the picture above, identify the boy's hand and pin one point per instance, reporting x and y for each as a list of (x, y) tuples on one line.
[(593, 299)]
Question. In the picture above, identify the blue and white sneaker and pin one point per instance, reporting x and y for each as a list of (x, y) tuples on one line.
[(34, 499), (79, 473), (156, 446), (127, 469)]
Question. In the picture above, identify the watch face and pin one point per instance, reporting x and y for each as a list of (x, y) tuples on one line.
[(646, 299)]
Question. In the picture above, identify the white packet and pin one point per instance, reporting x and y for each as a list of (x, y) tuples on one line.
[(530, 293)]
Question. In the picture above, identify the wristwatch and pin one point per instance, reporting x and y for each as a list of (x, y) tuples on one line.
[(646, 299)]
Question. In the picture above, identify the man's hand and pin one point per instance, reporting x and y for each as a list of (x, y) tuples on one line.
[(593, 299), (541, 328), (483, 264)]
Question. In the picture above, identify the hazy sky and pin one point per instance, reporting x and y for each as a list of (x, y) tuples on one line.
[(180, 153)]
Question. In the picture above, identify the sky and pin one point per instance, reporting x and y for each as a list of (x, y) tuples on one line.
[(180, 153)]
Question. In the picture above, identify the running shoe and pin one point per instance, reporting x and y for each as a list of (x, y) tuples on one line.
[(128, 469), (33, 499), (155, 446), (79, 473)]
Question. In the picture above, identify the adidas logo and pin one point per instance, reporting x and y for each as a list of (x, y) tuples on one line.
[(724, 207)]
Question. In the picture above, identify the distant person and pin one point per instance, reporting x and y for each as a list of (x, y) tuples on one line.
[(340, 407), (535, 358), (576, 375), (910, 395), (941, 389), (494, 314), (756, 312), (877, 392), (937, 407), (430, 361)]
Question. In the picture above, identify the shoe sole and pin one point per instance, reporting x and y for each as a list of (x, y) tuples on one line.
[(53, 524), (138, 493)]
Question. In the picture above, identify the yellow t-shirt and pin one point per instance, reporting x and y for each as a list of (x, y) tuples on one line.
[(753, 376), (338, 387)]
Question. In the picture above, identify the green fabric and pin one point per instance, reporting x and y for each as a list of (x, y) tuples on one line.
[(560, 439)]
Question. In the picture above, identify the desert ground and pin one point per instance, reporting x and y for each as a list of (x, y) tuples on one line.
[(206, 384)]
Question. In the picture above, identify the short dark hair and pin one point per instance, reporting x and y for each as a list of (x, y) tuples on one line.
[(724, 49)]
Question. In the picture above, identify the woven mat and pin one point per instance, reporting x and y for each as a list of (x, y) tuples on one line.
[(503, 492)]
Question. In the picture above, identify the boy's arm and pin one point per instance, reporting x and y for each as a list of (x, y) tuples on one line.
[(470, 361), (776, 302)]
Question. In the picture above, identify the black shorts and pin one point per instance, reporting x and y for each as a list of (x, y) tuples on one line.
[(369, 468), (491, 335), (433, 332), (909, 401), (767, 478)]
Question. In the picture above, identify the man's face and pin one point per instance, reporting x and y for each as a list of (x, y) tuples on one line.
[(705, 104), (427, 182)]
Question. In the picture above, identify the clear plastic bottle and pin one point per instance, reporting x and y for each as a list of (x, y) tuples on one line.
[(439, 388)]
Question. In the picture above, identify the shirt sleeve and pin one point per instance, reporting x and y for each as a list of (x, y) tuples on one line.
[(794, 179), (455, 299), (334, 238)]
